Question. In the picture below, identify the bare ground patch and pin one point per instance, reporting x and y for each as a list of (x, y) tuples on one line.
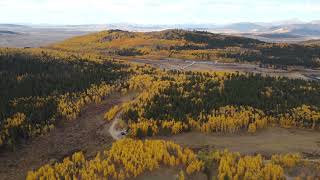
[(166, 173), (266, 142)]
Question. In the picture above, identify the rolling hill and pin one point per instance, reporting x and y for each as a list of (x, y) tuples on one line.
[(7, 32), (312, 42), (195, 45)]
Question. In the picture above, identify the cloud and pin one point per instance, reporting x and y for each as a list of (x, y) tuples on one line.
[(155, 11)]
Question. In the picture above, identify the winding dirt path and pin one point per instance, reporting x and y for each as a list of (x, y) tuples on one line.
[(87, 134), (115, 134), (189, 65), (113, 131)]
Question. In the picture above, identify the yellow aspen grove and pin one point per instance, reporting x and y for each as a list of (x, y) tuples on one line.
[(272, 171), (234, 166), (232, 119), (303, 116), (287, 160), (143, 126), (126, 158), (110, 115), (10, 127)]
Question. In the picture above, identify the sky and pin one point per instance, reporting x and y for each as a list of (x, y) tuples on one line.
[(156, 11)]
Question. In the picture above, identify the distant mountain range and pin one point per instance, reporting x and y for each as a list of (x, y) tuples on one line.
[(280, 31), (243, 27), (7, 33), (274, 33), (285, 31), (287, 27)]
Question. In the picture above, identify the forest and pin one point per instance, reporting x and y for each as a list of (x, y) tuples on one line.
[(126, 158), (42, 87), (194, 45), (220, 102), (39, 88)]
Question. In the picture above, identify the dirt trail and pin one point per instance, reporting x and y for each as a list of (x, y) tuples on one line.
[(113, 131), (86, 134), (115, 134)]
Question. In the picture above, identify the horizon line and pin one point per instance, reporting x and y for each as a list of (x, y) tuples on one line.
[(285, 21)]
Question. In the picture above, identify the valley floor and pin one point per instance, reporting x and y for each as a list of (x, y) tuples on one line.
[(269, 141), (187, 65)]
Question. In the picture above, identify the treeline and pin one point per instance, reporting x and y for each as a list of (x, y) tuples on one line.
[(126, 159), (210, 40), (233, 165), (129, 158), (38, 88)]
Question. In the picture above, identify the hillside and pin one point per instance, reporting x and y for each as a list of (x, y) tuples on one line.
[(72, 117), (191, 45), (312, 42), (55, 86)]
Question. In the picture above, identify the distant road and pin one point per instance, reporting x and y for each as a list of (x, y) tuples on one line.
[(187, 65)]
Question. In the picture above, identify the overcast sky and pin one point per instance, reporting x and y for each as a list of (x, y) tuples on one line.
[(156, 11)]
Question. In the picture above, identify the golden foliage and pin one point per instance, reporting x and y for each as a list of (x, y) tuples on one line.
[(126, 158), (234, 166), (287, 160), (231, 119), (70, 104), (227, 119), (110, 115), (143, 125), (175, 127), (252, 128), (267, 92), (15, 121), (303, 116), (10, 127), (181, 175)]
